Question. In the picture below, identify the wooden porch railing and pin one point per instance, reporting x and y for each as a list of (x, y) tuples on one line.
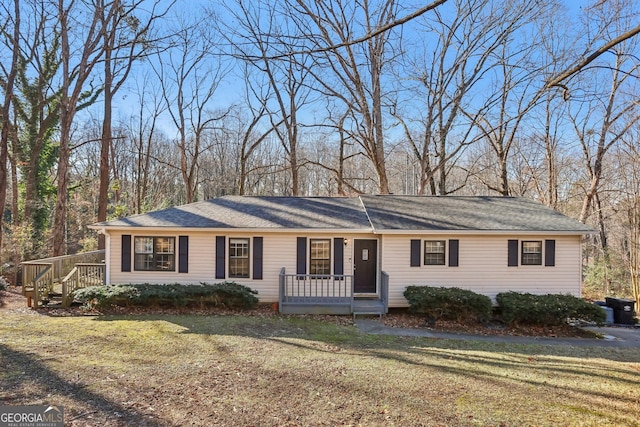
[(83, 275), (39, 276), (332, 292)]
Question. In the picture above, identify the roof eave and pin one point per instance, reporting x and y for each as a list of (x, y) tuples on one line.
[(228, 229), (485, 232)]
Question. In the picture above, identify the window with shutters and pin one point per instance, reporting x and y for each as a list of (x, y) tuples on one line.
[(532, 252), (320, 256), (434, 251), (238, 258), (154, 254)]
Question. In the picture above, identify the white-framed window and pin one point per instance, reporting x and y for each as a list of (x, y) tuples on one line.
[(320, 256), (531, 252), (434, 252), (238, 257)]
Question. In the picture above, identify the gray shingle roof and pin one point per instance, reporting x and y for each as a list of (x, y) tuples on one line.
[(383, 213), (433, 213), (256, 213)]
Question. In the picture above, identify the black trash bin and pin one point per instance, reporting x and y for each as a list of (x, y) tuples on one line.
[(622, 310)]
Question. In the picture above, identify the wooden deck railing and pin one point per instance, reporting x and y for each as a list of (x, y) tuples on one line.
[(82, 276), (39, 276), (39, 284)]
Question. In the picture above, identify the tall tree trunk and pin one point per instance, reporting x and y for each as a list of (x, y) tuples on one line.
[(60, 209), (5, 114), (504, 173), (72, 91), (15, 212), (105, 141)]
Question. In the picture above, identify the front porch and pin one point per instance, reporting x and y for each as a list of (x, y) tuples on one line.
[(54, 279), (329, 294)]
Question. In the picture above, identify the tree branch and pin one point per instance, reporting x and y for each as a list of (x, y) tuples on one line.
[(367, 36), (558, 79)]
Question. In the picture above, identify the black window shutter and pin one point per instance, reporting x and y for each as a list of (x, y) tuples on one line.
[(183, 254), (257, 258), (220, 256), (415, 253), (125, 261), (513, 253), (338, 256), (454, 245), (301, 255), (549, 253)]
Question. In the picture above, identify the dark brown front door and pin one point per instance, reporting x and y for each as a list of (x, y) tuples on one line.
[(365, 266)]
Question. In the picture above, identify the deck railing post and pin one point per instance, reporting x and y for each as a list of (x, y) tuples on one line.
[(283, 287), (384, 292)]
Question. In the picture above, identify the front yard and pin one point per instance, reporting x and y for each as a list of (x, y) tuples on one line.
[(175, 370)]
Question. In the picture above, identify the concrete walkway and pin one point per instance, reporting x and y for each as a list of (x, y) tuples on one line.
[(613, 336)]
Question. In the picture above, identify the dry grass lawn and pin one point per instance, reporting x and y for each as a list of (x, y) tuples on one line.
[(178, 370)]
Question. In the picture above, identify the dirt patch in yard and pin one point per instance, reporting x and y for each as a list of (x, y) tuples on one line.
[(12, 299)]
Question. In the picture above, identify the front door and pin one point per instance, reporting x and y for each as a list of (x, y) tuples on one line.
[(365, 266)]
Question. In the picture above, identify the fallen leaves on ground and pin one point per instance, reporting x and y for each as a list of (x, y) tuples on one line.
[(12, 299)]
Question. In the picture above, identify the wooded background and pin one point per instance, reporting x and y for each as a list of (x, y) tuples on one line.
[(112, 108)]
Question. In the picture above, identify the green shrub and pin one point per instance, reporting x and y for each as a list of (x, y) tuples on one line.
[(225, 294), (106, 295), (550, 309), (448, 303)]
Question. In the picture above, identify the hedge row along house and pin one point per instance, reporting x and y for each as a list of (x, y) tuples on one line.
[(350, 254)]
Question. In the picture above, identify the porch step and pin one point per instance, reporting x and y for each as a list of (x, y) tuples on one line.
[(368, 306), (52, 299)]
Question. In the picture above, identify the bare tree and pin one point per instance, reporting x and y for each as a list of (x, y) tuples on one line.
[(352, 74), (280, 85), (519, 78), (252, 135), (80, 52), (349, 152), (143, 132), (190, 76), (127, 38), (460, 45), (615, 111)]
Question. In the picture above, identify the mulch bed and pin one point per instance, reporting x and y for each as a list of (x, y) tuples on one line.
[(12, 299)]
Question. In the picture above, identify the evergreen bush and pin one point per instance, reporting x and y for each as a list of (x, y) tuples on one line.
[(549, 309), (448, 303), (225, 294)]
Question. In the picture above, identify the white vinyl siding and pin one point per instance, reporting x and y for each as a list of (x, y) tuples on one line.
[(201, 265), (482, 263), (483, 266), (279, 250)]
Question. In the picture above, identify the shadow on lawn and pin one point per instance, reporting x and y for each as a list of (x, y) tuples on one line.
[(24, 372), (346, 335), (502, 365)]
